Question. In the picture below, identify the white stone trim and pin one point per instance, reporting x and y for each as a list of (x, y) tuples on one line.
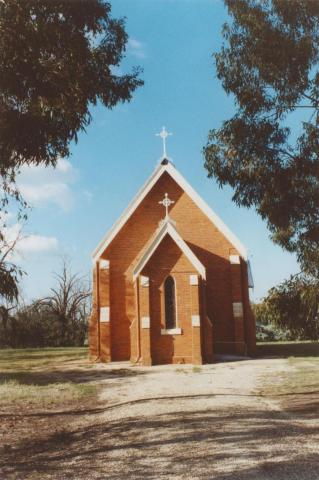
[(234, 259), (104, 314), (193, 279), (195, 321), (168, 229), (145, 281), (180, 180), (104, 264), (171, 331), (238, 309), (145, 322)]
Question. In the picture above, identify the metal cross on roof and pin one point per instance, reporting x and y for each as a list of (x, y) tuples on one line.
[(166, 202), (164, 134)]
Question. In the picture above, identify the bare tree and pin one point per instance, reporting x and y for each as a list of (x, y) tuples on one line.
[(69, 302)]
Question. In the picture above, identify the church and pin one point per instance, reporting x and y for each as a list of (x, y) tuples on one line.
[(170, 280)]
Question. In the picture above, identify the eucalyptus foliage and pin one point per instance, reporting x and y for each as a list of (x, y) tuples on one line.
[(294, 304), (58, 58), (269, 63)]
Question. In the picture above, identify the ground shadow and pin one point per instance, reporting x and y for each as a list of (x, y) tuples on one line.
[(205, 444), (49, 377), (289, 349)]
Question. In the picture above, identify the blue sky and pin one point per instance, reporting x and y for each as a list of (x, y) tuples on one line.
[(74, 206)]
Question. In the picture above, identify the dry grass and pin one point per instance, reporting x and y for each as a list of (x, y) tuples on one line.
[(15, 394), (197, 369), (306, 374), (303, 382), (36, 358), (33, 377), (300, 377)]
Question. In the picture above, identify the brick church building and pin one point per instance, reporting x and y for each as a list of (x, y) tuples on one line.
[(171, 281)]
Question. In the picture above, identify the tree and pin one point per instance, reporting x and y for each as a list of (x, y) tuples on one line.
[(269, 62), (69, 304), (10, 273), (294, 305), (6, 309), (57, 59), (268, 325), (60, 319)]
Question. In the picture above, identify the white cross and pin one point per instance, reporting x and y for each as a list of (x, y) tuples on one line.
[(166, 202), (163, 134)]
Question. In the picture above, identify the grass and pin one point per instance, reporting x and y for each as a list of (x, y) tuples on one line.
[(288, 349), (14, 393), (30, 358), (305, 375), (197, 369), (44, 377), (300, 377)]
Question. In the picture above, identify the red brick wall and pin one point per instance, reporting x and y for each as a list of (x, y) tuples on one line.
[(93, 323), (207, 242), (169, 260)]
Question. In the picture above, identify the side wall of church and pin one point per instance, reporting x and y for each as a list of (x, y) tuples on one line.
[(207, 242), (93, 321)]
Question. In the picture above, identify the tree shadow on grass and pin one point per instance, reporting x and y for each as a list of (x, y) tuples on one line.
[(38, 356), (206, 444), (306, 404), (288, 349), (48, 377)]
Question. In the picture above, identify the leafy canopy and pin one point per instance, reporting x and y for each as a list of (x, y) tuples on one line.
[(57, 58), (294, 305), (269, 62)]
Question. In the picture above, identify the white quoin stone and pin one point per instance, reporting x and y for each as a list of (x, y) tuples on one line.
[(145, 321), (195, 321), (238, 309), (104, 264), (104, 314), (145, 281), (171, 331), (234, 259), (193, 279)]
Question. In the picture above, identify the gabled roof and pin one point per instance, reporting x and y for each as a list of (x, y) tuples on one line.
[(168, 229), (166, 166)]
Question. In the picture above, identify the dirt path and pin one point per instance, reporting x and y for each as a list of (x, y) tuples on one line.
[(221, 421)]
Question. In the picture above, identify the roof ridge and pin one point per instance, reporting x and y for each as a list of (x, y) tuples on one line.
[(143, 191)]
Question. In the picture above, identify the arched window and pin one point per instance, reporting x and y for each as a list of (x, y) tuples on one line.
[(170, 303)]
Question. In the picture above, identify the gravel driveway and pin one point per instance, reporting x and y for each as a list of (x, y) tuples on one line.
[(209, 422), (226, 421)]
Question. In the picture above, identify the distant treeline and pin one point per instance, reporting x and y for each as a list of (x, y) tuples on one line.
[(58, 320), (36, 326)]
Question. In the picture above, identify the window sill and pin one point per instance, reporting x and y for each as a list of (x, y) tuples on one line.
[(171, 331)]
